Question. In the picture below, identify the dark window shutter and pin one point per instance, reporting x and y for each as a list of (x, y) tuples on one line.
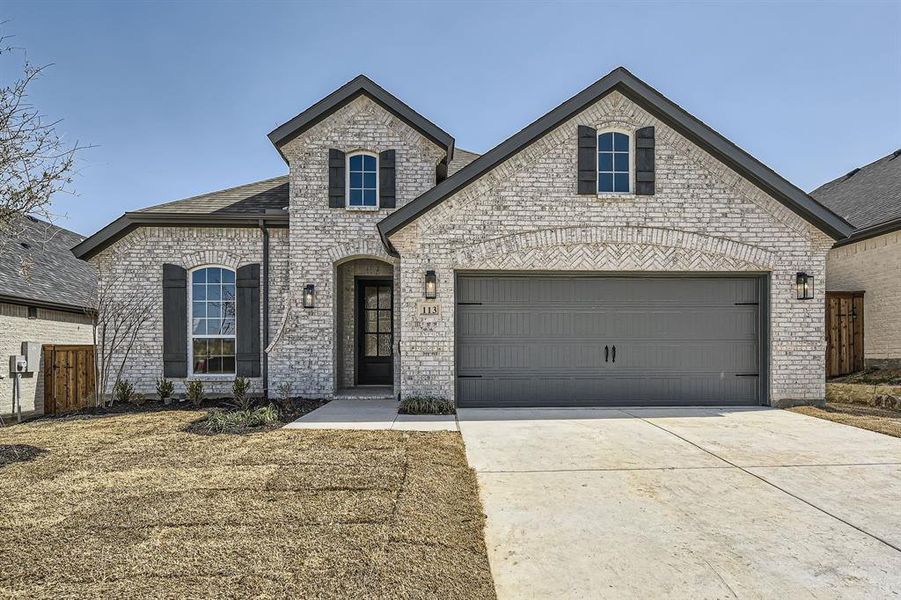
[(644, 161), (247, 305), (386, 179), (588, 160), (175, 321), (336, 179)]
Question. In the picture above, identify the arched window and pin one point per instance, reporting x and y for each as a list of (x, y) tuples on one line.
[(614, 164), (212, 308), (362, 179)]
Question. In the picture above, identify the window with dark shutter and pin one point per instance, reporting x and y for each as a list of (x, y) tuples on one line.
[(386, 179), (336, 180), (644, 161), (248, 315), (587, 159), (175, 321)]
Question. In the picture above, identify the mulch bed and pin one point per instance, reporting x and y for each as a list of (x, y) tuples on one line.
[(131, 505), (880, 420), (10, 453)]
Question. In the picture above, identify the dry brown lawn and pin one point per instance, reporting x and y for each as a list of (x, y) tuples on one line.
[(133, 506), (881, 420)]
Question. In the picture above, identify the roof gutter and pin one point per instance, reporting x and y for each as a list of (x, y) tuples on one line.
[(132, 220), (870, 232), (72, 308)]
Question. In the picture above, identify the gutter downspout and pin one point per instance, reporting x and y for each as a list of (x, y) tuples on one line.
[(265, 231)]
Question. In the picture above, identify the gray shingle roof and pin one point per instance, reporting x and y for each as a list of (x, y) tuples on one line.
[(867, 196), (461, 159), (254, 197), (37, 266)]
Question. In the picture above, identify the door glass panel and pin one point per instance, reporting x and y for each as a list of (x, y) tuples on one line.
[(384, 322), (371, 316), (371, 347), (384, 345), (384, 297), (371, 296)]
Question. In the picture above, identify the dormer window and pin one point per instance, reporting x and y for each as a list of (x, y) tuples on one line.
[(614, 164), (362, 180)]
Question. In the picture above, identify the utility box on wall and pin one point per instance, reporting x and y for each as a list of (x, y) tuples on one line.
[(32, 353)]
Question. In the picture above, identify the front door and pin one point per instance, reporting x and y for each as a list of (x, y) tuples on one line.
[(375, 326)]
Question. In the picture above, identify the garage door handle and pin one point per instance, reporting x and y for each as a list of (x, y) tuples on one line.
[(614, 354), (606, 353)]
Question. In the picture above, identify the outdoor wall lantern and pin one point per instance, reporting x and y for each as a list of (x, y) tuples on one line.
[(431, 285), (309, 295), (805, 286)]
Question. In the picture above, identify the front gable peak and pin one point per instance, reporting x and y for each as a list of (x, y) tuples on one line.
[(361, 86)]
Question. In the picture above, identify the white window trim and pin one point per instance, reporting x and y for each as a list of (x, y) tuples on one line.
[(191, 336), (378, 199), (597, 166)]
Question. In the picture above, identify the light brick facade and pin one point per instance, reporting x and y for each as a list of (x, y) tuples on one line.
[(523, 215), (526, 215), (873, 266), (48, 327), (134, 266)]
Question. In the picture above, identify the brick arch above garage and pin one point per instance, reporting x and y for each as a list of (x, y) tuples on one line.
[(614, 249)]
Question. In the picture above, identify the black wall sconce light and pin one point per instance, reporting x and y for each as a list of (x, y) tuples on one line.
[(804, 283), (309, 295), (431, 285)]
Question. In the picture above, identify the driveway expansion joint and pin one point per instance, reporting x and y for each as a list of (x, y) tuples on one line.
[(766, 481)]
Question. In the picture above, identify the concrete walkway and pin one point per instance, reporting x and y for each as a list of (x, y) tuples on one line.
[(370, 414), (686, 503)]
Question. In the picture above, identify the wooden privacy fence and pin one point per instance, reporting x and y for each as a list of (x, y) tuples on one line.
[(844, 333), (68, 377)]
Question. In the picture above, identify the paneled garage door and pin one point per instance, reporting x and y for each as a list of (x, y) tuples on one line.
[(549, 340)]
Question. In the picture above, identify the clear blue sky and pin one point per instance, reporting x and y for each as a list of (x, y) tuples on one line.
[(178, 97)]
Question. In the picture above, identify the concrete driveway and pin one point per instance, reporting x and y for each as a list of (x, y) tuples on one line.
[(686, 503)]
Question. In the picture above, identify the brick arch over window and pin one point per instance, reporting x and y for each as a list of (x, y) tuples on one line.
[(614, 249), (212, 257)]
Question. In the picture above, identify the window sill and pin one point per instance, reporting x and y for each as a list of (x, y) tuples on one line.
[(212, 377), (616, 195), (362, 208)]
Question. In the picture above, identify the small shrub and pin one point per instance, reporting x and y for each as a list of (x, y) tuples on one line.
[(194, 391), (124, 392), (239, 390), (426, 406), (232, 421), (284, 392), (164, 390)]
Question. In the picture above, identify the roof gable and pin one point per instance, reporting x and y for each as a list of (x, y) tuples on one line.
[(360, 85), (655, 103)]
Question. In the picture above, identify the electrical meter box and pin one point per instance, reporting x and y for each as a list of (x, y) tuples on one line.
[(32, 353), (16, 364)]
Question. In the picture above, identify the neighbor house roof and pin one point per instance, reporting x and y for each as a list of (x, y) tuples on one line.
[(249, 205), (868, 196), (37, 267), (361, 86), (654, 102)]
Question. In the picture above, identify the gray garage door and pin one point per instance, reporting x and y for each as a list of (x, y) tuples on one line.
[(595, 341)]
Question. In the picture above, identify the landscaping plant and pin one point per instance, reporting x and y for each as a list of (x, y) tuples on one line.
[(424, 405), (124, 392), (284, 394), (242, 400), (164, 390), (194, 391), (234, 421)]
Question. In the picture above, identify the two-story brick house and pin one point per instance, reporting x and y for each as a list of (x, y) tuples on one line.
[(615, 251)]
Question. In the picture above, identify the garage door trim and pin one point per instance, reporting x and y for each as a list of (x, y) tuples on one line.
[(763, 311)]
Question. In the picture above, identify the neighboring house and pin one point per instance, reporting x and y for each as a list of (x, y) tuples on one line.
[(869, 260), (45, 297), (615, 251)]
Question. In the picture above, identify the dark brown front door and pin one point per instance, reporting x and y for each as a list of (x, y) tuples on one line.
[(375, 324)]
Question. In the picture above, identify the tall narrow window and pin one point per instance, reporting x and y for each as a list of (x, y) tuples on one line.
[(362, 180), (613, 162), (213, 321)]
